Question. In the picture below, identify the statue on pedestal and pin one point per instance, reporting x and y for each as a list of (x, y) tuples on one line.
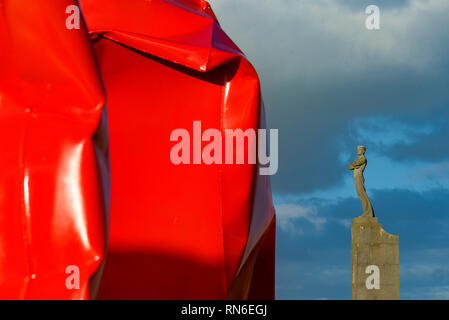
[(359, 166)]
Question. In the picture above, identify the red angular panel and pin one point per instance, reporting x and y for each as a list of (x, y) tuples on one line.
[(53, 165), (179, 231)]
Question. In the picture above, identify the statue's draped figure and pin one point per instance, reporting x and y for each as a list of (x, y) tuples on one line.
[(359, 166)]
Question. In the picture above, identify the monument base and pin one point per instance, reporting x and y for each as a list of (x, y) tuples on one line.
[(375, 261)]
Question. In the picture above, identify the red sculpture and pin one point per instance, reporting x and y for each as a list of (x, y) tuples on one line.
[(198, 231)]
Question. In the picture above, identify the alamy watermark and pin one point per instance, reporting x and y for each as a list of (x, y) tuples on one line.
[(220, 150), (72, 282), (373, 280), (73, 20), (372, 22)]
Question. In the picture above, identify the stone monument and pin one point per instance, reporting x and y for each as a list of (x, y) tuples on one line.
[(374, 252)]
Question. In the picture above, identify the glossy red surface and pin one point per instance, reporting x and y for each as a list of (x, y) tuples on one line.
[(52, 211), (175, 231)]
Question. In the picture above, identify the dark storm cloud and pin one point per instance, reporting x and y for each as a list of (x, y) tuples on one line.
[(314, 134), (321, 69)]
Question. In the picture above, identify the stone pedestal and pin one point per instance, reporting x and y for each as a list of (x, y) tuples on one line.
[(375, 261)]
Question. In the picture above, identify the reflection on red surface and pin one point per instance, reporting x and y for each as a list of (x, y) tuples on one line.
[(175, 231), (53, 153)]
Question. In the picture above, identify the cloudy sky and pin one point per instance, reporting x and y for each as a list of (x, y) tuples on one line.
[(330, 84)]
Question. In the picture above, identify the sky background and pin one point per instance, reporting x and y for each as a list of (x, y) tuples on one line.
[(329, 84)]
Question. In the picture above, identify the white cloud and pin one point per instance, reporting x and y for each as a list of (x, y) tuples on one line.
[(418, 270), (438, 171), (336, 273), (288, 213), (428, 293), (439, 293), (345, 222)]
